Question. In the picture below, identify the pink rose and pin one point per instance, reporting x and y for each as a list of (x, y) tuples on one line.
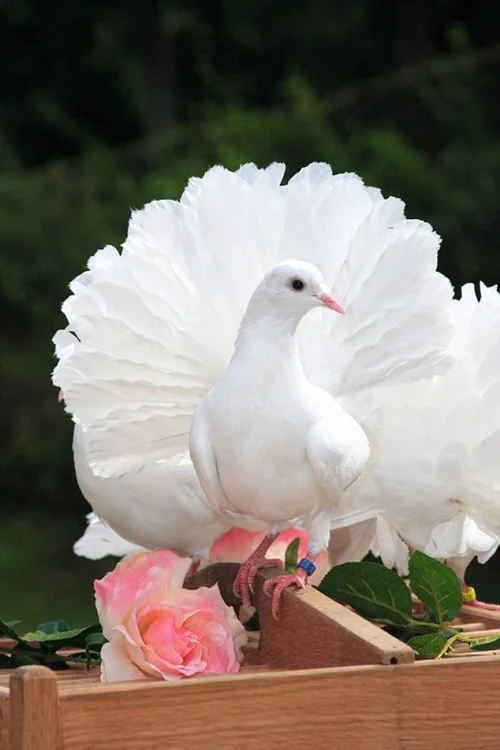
[(238, 544), (157, 629)]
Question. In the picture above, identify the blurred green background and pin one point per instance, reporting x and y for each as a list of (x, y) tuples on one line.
[(108, 105)]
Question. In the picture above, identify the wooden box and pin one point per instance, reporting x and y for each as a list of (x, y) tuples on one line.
[(320, 677)]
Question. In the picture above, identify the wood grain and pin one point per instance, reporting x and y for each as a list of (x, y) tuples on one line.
[(34, 710), (410, 706), (4, 718), (314, 631), (490, 618)]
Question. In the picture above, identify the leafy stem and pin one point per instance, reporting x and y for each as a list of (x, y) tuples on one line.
[(49, 644), (382, 596)]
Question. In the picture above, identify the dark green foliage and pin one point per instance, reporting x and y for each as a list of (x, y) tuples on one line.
[(429, 645), (436, 585), (44, 644), (372, 589), (292, 555), (381, 595)]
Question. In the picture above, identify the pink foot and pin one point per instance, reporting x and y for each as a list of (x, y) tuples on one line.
[(483, 605), (469, 597), (280, 583), (244, 582)]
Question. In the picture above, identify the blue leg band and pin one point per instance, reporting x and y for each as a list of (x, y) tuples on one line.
[(307, 565)]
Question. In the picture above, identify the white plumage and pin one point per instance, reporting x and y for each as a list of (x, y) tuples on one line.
[(264, 441), (151, 330), (436, 472), (99, 540), (161, 505)]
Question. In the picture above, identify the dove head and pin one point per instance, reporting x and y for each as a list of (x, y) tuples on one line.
[(285, 294), (295, 287)]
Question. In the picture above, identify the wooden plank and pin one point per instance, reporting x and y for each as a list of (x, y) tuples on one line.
[(231, 713), (34, 710), (452, 705), (490, 618), (468, 626), (4, 719), (410, 706), (313, 631)]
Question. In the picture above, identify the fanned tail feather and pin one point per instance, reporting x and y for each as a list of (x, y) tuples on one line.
[(99, 540), (151, 329), (434, 472)]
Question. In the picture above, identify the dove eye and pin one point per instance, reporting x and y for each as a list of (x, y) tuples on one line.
[(297, 285)]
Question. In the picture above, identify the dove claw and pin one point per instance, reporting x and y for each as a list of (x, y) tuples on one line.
[(276, 586), (244, 583)]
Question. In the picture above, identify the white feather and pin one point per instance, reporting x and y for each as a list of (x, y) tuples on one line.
[(99, 540)]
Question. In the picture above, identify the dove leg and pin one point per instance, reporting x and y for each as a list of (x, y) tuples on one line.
[(318, 535), (245, 579), (469, 597), (460, 565), (305, 568)]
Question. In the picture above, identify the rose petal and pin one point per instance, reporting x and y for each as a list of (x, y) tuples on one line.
[(116, 665), (158, 629), (117, 591)]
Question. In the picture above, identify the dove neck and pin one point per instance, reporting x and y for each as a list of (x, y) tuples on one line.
[(268, 336)]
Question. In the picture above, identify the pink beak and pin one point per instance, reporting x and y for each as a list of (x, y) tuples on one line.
[(332, 303)]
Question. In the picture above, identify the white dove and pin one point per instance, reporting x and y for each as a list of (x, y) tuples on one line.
[(267, 443), (436, 474), (152, 329)]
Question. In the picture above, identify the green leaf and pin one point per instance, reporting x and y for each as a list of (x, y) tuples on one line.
[(6, 631), (292, 555), (76, 637), (429, 645), (95, 640), (372, 589), (22, 655), (13, 623), (90, 659), (406, 632), (53, 626), (436, 585), (486, 643)]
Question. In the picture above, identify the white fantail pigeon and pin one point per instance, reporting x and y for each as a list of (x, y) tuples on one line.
[(151, 330), (436, 470)]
